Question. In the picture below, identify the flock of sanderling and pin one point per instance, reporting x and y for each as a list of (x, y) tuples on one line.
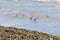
[(24, 13), (28, 13)]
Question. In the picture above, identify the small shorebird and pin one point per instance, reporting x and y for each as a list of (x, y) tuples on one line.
[(31, 18), (34, 19)]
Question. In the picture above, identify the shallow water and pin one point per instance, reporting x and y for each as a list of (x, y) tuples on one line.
[(45, 24)]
